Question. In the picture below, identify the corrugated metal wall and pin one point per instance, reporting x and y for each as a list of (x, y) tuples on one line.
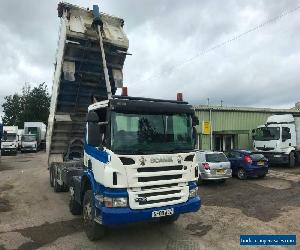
[(231, 122)]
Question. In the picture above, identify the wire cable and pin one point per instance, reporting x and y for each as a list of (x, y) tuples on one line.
[(221, 44)]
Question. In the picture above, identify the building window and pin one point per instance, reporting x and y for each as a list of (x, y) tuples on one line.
[(223, 142)]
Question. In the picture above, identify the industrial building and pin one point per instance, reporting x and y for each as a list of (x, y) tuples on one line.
[(224, 128)]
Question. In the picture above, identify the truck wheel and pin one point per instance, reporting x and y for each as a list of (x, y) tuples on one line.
[(241, 174), (292, 160), (74, 206), (51, 177), (93, 230), (169, 219), (56, 186)]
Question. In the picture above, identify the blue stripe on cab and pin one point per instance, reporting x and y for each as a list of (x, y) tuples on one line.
[(99, 155)]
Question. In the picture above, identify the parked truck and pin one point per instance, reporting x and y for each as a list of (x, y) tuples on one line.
[(34, 137), (123, 159), (9, 140), (279, 139), (29, 143)]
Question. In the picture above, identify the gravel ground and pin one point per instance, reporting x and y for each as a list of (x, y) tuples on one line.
[(33, 216)]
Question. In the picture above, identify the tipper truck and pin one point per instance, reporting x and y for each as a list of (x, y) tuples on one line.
[(279, 139), (123, 159), (9, 140)]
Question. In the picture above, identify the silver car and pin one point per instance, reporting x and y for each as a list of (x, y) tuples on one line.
[(213, 165)]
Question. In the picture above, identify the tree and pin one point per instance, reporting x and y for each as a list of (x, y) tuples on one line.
[(32, 105), (12, 108)]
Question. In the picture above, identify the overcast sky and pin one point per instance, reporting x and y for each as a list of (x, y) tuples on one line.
[(260, 69)]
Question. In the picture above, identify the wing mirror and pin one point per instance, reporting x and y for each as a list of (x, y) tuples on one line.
[(94, 137), (195, 121), (5, 135)]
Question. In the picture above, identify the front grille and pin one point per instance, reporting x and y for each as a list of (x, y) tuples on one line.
[(265, 148), (160, 178), (158, 201), (159, 169), (167, 195), (159, 193), (155, 185), (159, 186)]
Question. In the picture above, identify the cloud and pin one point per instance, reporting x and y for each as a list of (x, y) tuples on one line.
[(259, 69)]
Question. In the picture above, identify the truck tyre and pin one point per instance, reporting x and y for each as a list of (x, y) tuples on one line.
[(93, 230), (56, 186), (51, 177), (292, 160), (169, 219), (74, 206), (241, 174)]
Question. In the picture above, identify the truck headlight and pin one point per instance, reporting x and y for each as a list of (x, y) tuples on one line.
[(193, 192), (115, 202)]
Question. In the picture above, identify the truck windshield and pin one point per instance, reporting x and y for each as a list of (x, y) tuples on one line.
[(28, 138), (151, 133), (10, 137), (267, 134)]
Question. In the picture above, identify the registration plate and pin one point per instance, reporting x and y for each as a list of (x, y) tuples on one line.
[(220, 171), (162, 213), (260, 163)]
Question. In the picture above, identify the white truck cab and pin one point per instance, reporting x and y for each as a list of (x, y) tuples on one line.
[(29, 143), (9, 141), (279, 139)]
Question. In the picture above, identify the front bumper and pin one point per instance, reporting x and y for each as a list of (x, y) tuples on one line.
[(119, 216), (277, 158), (28, 149), (257, 171), (214, 176), (8, 150)]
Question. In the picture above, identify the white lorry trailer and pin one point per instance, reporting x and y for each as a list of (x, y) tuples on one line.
[(279, 139), (34, 137), (9, 143), (123, 159)]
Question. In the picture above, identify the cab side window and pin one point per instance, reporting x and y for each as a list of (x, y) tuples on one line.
[(286, 134), (103, 123)]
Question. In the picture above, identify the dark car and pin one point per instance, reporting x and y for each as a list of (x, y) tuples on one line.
[(246, 163)]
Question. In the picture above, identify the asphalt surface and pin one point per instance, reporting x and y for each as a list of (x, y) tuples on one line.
[(32, 216)]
